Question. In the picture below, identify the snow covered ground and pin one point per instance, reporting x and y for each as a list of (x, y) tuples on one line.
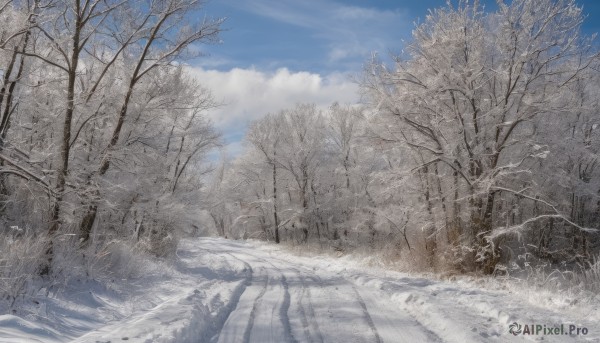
[(230, 291)]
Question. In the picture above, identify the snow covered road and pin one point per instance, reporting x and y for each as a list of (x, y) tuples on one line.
[(230, 291), (289, 298), (291, 302)]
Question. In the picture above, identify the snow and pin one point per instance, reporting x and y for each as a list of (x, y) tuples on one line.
[(15, 329), (223, 291)]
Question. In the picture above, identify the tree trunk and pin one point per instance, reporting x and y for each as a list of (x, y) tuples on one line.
[(63, 166), (105, 164), (490, 254), (275, 217), (8, 96), (431, 232)]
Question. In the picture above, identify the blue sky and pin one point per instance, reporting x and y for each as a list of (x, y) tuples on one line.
[(276, 53), (322, 35)]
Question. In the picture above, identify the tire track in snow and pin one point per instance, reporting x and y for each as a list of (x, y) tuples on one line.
[(256, 304), (240, 323), (306, 325), (223, 315), (311, 312), (314, 277), (286, 299), (283, 311), (313, 321), (367, 315), (220, 318), (303, 319), (285, 306), (307, 322), (310, 275), (394, 324)]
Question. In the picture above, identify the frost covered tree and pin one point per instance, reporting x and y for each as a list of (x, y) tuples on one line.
[(301, 157), (301, 178), (164, 39), (287, 146), (477, 145), (265, 136), (104, 133), (468, 100)]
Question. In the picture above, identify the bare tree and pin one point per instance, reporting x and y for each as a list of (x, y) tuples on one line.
[(467, 98), (265, 136), (162, 45)]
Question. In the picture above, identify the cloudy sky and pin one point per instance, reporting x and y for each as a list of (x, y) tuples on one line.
[(276, 53)]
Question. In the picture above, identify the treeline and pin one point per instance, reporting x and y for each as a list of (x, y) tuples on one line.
[(103, 133), (476, 150)]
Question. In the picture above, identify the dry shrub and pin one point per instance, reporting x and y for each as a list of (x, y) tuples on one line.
[(588, 279), (21, 256)]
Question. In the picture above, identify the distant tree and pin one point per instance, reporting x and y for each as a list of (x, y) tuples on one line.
[(265, 135)]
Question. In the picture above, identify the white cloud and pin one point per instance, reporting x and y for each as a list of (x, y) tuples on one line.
[(349, 31), (367, 14), (249, 94)]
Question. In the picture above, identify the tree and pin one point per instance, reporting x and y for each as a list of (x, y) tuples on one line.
[(467, 100), (160, 47), (343, 132), (265, 136), (102, 58)]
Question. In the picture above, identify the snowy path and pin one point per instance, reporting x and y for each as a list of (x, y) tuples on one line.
[(228, 291), (288, 302)]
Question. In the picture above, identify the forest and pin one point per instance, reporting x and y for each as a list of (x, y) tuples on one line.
[(104, 136), (473, 151)]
